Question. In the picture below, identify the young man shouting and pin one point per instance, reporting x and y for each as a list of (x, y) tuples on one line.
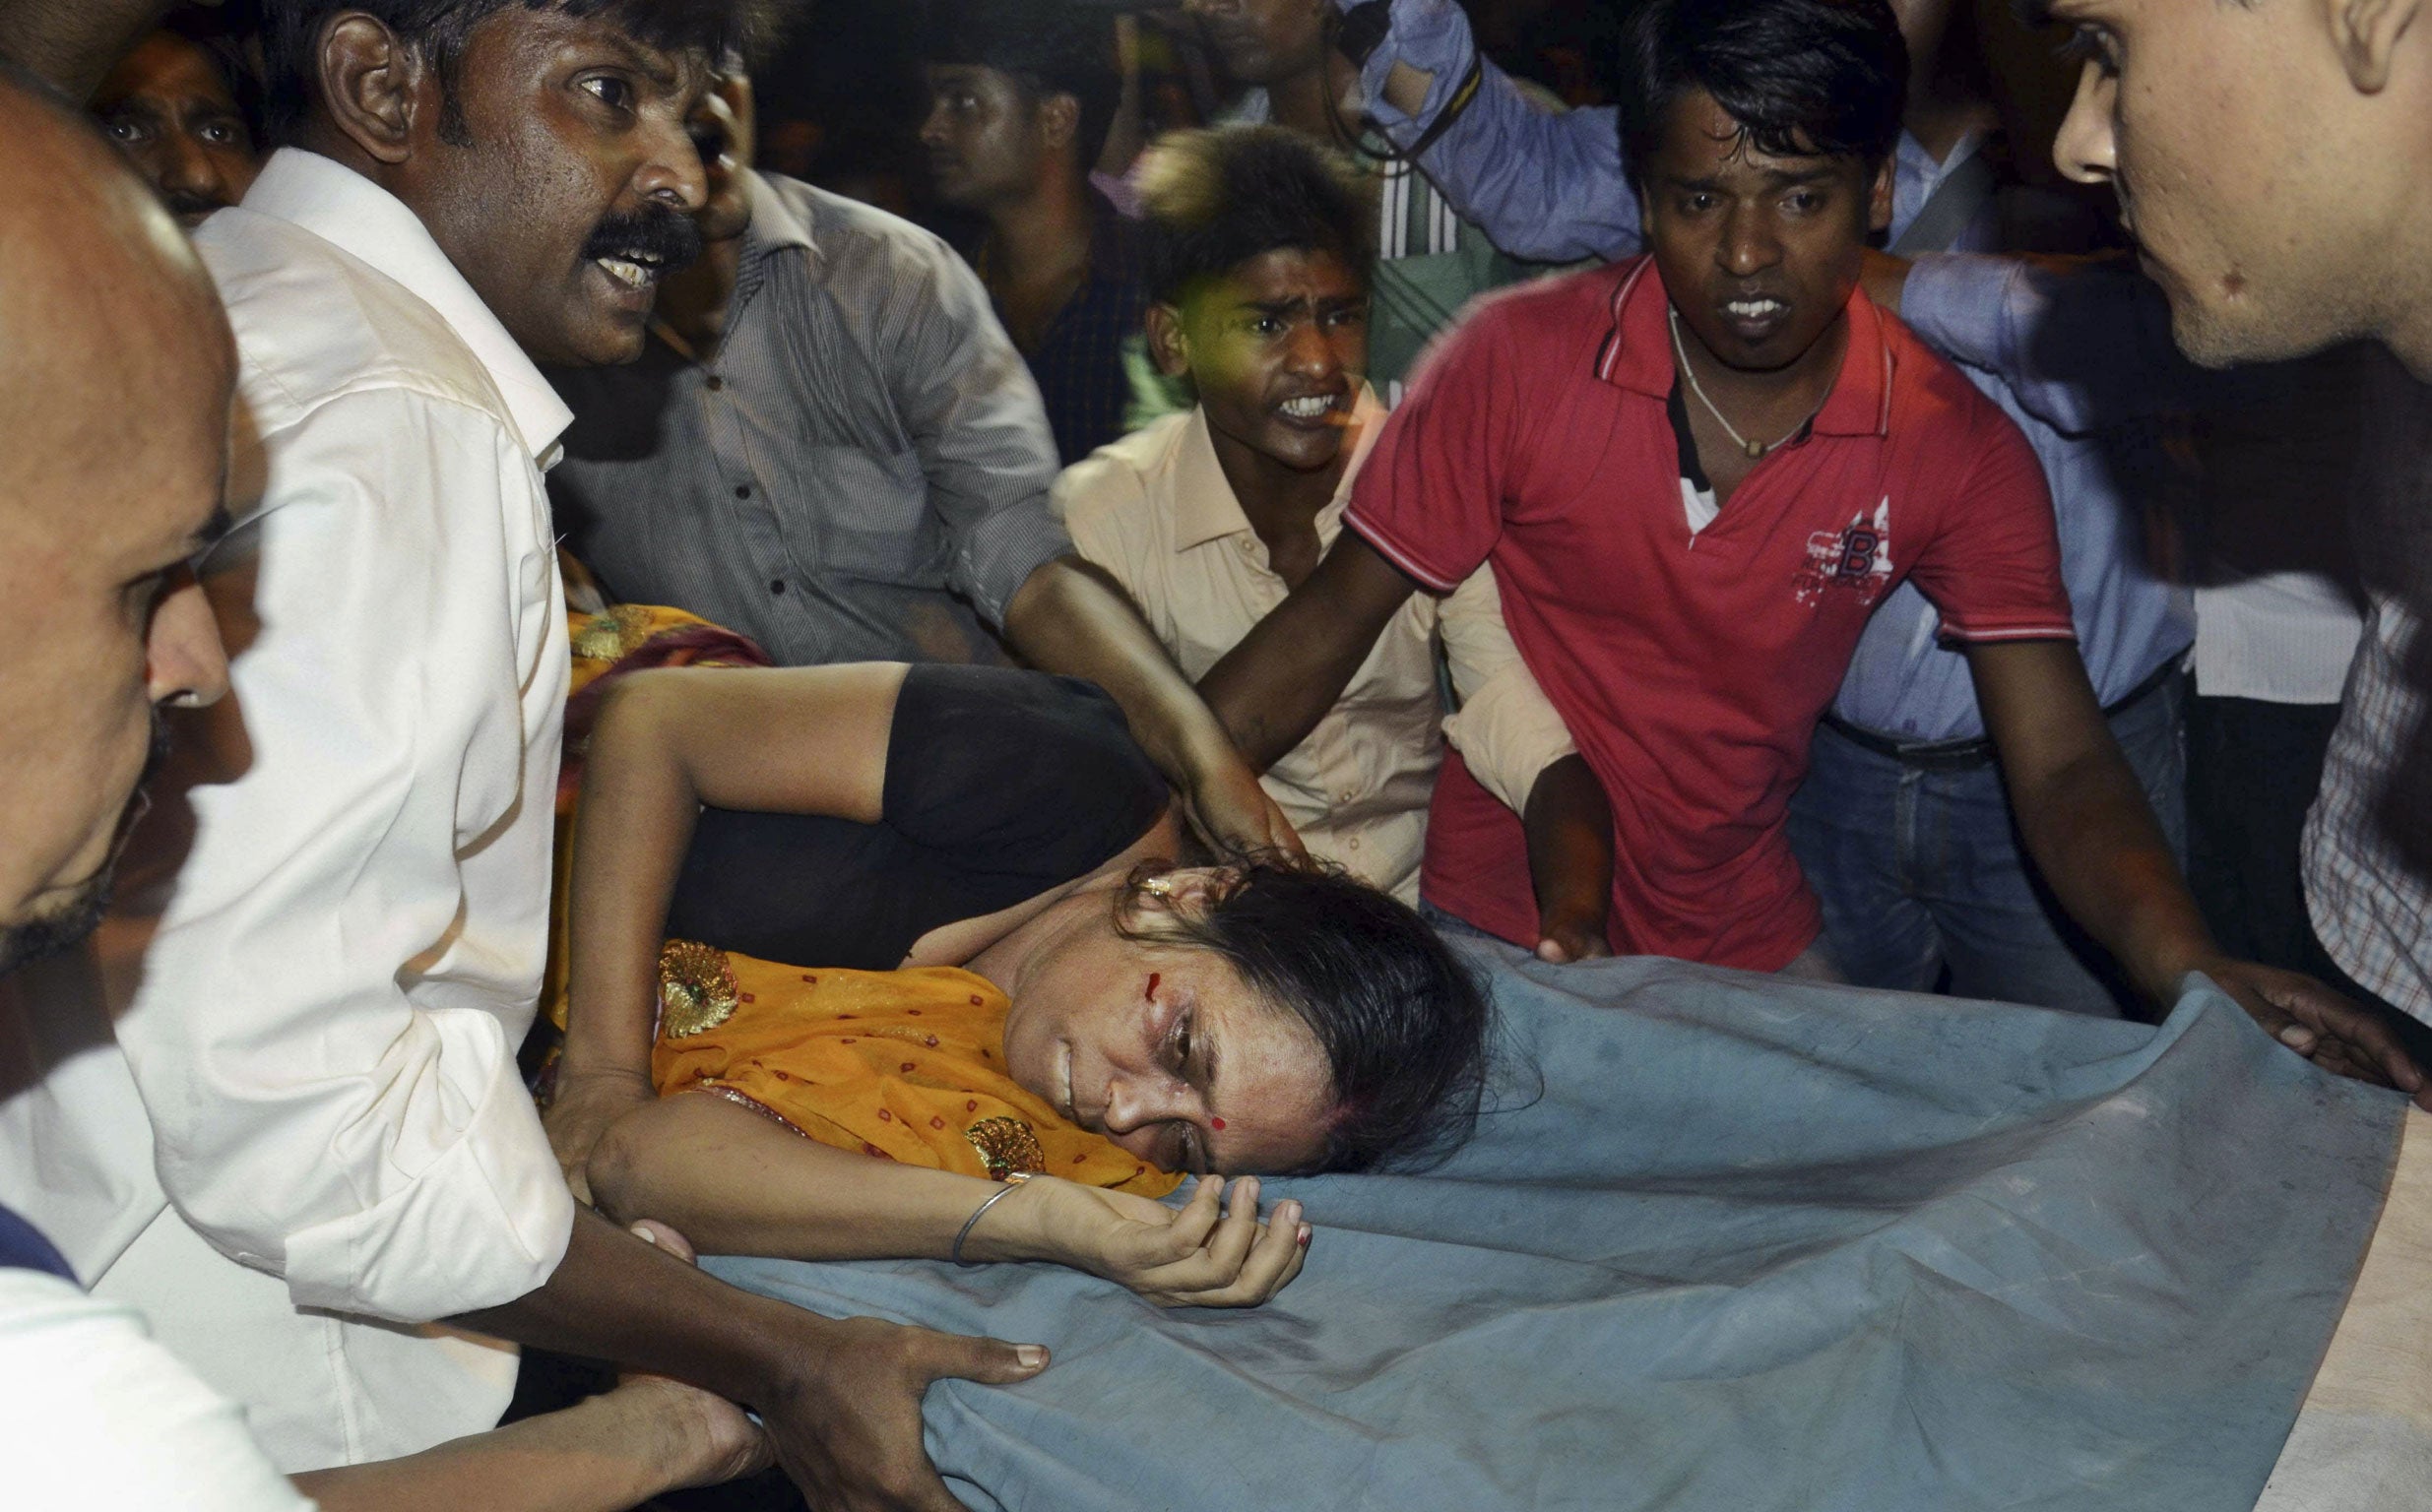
[(1695, 474)]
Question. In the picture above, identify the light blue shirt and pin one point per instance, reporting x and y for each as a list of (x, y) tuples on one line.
[(1551, 186)]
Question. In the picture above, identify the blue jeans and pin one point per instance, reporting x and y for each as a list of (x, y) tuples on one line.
[(1921, 870)]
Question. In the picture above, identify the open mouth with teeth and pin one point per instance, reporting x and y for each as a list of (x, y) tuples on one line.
[(1755, 309), (1312, 406), (637, 270)]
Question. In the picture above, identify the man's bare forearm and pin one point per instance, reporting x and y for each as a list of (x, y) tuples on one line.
[(1568, 823), (72, 44), (1070, 618), (2083, 815), (2094, 839), (606, 1454), (619, 1298), (1271, 690)]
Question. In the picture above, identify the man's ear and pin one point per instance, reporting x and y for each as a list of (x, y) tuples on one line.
[(373, 84), (1879, 198), (2367, 32), (1168, 347)]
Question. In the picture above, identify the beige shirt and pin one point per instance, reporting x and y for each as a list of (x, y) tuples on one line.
[(1155, 510)]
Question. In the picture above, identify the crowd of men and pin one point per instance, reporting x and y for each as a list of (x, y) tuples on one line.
[(1686, 527)]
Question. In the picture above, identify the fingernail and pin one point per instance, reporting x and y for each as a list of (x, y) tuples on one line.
[(642, 1231), (1032, 1356), (1305, 1235), (2297, 1034)]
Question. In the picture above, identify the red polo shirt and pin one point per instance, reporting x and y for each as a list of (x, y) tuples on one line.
[(1691, 667)]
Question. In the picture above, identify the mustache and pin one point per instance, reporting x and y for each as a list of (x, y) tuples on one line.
[(652, 234), (183, 203)]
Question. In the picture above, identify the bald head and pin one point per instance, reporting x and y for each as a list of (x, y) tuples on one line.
[(116, 376)]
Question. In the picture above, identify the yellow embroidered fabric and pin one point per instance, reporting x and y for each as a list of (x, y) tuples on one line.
[(906, 1064)]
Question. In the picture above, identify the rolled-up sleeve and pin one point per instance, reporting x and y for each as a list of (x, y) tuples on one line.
[(1506, 730), (1544, 185), (323, 1033), (978, 425)]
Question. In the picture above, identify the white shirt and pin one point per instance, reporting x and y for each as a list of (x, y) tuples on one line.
[(325, 1026), (96, 1416), (2277, 637), (1156, 510)]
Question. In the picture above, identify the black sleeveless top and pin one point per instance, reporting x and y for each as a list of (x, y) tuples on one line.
[(1000, 786)]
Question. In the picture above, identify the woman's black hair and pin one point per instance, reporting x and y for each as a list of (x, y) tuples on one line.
[(1802, 78), (1402, 1021), (439, 29), (1046, 46), (1210, 201)]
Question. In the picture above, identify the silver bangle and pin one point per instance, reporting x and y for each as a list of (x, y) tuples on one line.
[(1012, 1180)]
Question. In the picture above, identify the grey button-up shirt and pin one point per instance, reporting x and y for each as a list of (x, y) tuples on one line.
[(860, 473)]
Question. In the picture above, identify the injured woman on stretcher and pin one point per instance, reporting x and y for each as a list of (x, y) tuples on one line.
[(1712, 1240)]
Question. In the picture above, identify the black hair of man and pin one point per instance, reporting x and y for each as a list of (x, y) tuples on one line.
[(1212, 200), (439, 30), (225, 32), (1045, 46), (1802, 78)]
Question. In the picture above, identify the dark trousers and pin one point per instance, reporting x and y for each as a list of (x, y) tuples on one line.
[(2252, 769), (1921, 872)]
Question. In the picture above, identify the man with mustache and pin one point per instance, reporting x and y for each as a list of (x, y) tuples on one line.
[(830, 446), (100, 508), (173, 105), (313, 1140), (1690, 622), (2270, 160)]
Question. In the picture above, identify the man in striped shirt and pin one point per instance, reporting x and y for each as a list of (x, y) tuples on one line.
[(830, 446)]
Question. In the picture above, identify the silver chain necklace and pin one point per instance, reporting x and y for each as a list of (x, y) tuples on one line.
[(1754, 449)]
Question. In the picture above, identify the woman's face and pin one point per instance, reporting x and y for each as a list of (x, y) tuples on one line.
[(1163, 1050)]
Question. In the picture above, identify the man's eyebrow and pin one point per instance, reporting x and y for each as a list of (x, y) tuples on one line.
[(650, 62), (1272, 306), (1777, 178), (2034, 14)]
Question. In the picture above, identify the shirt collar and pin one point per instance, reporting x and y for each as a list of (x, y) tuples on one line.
[(372, 225), (1205, 507), (775, 226), (1637, 356)]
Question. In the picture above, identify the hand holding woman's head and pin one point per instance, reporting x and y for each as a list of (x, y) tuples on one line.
[(1267, 1017)]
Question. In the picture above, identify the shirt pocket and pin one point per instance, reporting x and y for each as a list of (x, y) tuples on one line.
[(864, 515)]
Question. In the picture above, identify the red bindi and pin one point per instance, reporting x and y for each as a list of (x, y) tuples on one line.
[(1216, 1123), (1153, 978)]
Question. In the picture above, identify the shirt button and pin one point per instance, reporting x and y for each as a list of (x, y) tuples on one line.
[(715, 382), (1351, 845), (777, 586), (742, 490)]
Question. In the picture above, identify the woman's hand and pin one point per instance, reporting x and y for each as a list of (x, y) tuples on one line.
[(1209, 1253), (582, 1107)]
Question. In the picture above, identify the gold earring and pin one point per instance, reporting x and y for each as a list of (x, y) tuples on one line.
[(1159, 886)]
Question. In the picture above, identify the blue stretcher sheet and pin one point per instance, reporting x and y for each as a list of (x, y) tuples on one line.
[(1751, 1244)]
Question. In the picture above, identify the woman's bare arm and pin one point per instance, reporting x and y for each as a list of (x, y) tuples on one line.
[(734, 1182), (805, 741)]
